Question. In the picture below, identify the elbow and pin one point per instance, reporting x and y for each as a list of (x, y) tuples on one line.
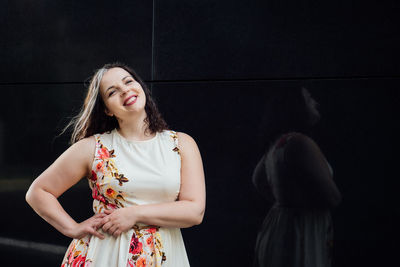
[(196, 218), (199, 218), (29, 196)]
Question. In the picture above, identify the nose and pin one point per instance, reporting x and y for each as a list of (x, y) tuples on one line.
[(124, 90)]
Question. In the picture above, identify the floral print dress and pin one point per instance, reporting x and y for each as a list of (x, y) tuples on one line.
[(126, 173)]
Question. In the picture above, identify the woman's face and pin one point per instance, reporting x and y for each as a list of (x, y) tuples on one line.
[(121, 93)]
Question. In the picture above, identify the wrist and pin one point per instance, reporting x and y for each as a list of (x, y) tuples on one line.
[(70, 229), (135, 212)]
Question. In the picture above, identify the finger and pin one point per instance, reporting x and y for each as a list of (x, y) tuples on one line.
[(94, 218), (105, 220), (108, 212), (99, 222), (117, 233), (99, 215), (95, 233), (106, 226), (112, 229)]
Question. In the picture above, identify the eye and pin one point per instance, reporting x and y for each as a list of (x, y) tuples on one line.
[(129, 81), (111, 93)]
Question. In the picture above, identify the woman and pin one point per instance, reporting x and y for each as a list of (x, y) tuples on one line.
[(295, 176), (146, 181)]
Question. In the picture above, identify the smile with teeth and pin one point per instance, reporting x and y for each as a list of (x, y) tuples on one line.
[(130, 100)]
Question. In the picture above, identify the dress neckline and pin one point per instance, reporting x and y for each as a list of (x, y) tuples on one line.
[(115, 132)]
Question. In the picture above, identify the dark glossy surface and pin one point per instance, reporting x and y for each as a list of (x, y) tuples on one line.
[(31, 122), (63, 41), (275, 39), (357, 134), (33, 116), (357, 121), (49, 48)]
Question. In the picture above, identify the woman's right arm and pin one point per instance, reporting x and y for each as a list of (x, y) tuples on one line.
[(66, 171)]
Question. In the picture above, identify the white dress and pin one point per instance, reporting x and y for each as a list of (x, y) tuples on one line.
[(126, 173)]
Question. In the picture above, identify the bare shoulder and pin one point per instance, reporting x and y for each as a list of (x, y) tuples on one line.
[(85, 146), (86, 143), (185, 139), (187, 144), (81, 152), (69, 167)]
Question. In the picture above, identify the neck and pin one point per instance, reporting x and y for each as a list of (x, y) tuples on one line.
[(134, 128)]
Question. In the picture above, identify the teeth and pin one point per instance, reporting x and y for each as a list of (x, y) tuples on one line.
[(130, 100)]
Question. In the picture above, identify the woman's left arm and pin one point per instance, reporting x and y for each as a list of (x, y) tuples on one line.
[(187, 211)]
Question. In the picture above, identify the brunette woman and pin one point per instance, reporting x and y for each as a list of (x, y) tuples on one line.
[(147, 181)]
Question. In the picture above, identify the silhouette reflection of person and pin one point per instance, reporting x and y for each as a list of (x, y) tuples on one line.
[(295, 176)]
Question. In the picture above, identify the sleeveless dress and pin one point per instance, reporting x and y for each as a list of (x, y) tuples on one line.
[(126, 173)]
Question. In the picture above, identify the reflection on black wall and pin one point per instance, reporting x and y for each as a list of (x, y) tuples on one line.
[(212, 66)]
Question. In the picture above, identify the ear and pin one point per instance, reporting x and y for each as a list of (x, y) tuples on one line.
[(108, 113)]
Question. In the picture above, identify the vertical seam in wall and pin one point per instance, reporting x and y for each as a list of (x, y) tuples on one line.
[(152, 43)]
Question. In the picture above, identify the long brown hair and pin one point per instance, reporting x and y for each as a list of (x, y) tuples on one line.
[(92, 118)]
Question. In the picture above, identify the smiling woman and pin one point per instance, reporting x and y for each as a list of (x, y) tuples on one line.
[(146, 181)]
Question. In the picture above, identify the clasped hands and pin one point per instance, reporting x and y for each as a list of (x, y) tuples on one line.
[(113, 222)]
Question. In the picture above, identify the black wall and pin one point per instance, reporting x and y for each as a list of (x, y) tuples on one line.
[(212, 66)]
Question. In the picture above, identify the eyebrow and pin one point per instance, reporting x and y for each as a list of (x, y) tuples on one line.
[(128, 76), (112, 86)]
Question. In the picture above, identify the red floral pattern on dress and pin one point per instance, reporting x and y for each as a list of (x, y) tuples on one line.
[(93, 177), (79, 261), (152, 230), (99, 166), (149, 242), (146, 247), (104, 153), (76, 253), (135, 246), (104, 171), (141, 262)]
